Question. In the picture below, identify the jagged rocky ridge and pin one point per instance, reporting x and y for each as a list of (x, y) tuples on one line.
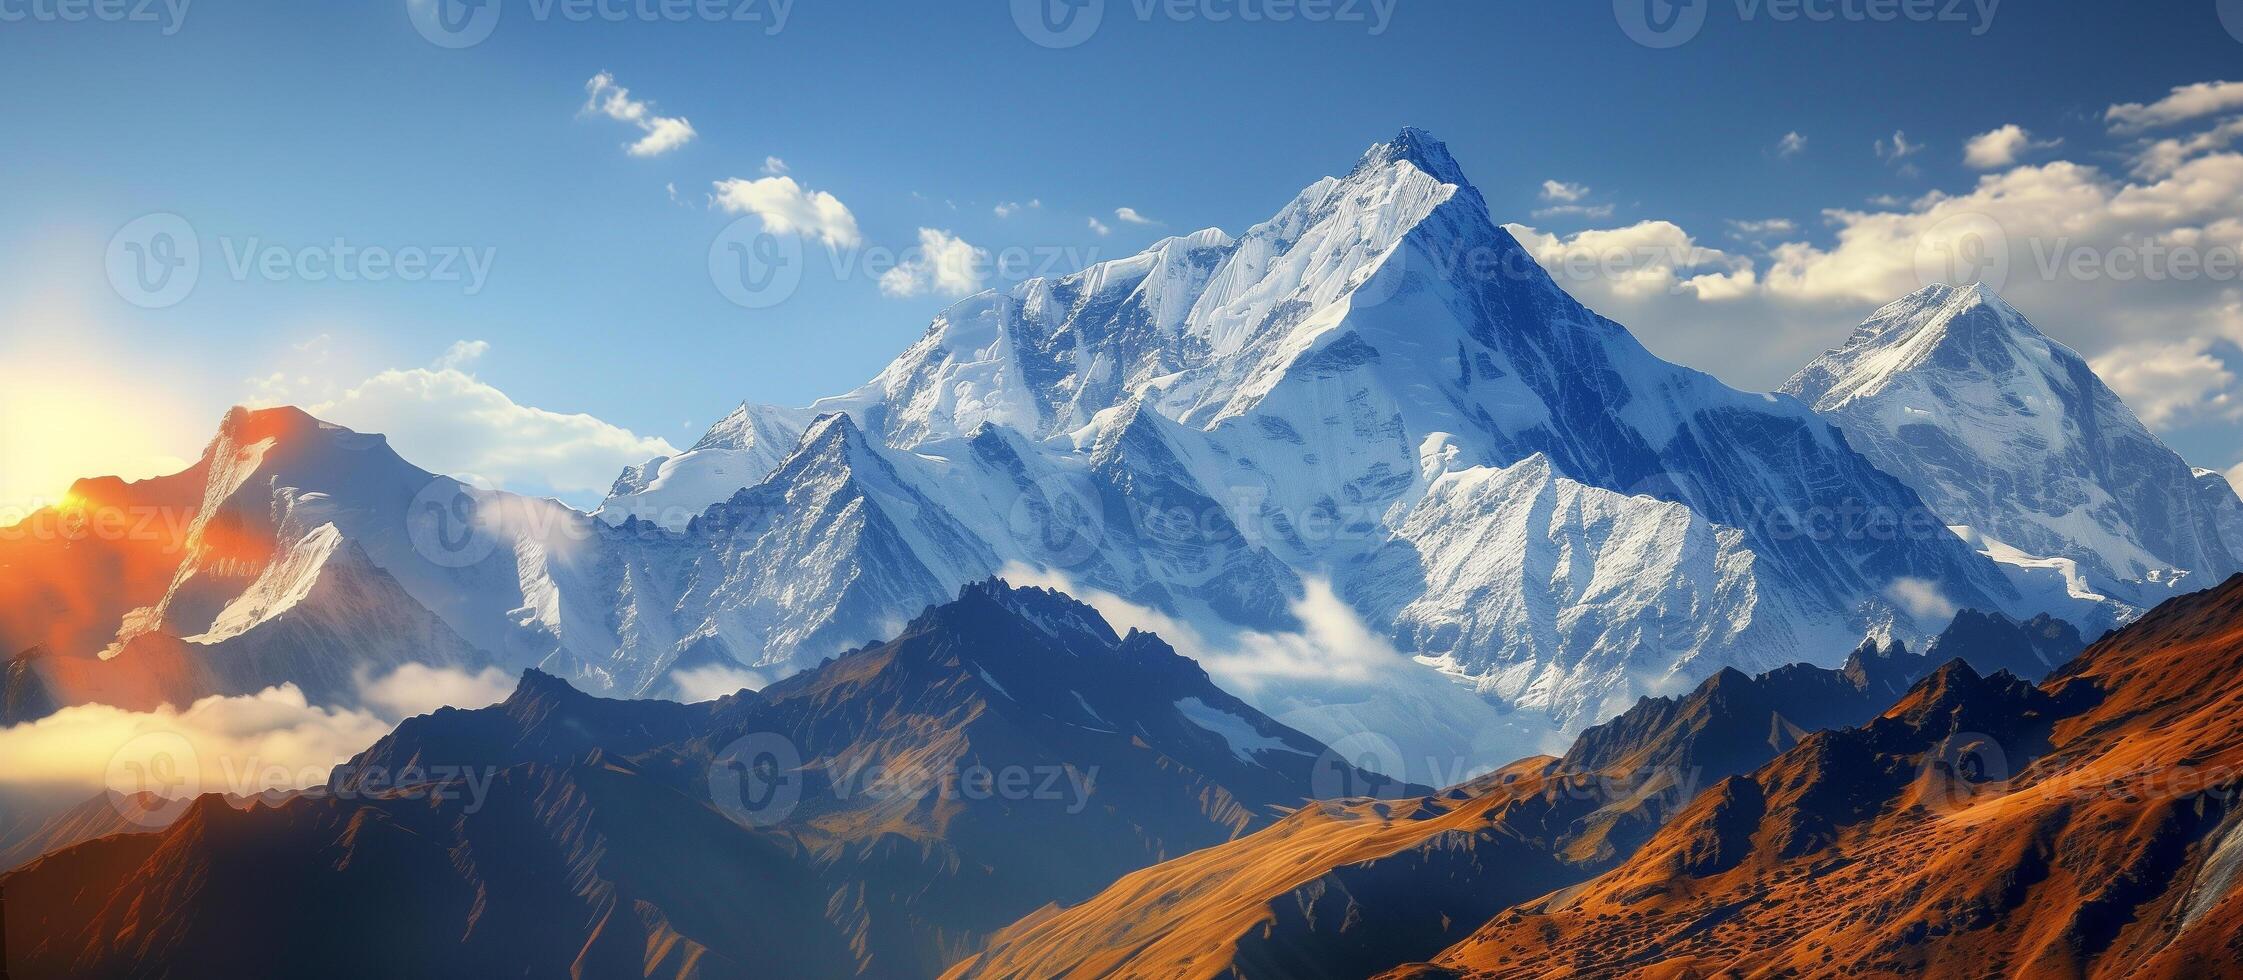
[(1982, 825)]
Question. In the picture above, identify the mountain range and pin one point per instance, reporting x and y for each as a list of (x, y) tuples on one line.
[(1378, 396), (1007, 781)]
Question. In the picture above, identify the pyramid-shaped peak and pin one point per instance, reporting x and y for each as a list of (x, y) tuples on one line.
[(1944, 301), (1939, 325), (1418, 148)]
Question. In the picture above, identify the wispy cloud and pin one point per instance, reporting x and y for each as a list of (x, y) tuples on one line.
[(2183, 103), (1558, 190), (662, 133)]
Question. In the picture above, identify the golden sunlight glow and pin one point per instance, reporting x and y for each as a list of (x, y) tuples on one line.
[(58, 429)]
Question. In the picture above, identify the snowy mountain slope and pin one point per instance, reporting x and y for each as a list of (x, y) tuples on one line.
[(1548, 593), (738, 451), (2010, 433), (324, 619)]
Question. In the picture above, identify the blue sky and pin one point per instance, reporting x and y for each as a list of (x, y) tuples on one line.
[(596, 332)]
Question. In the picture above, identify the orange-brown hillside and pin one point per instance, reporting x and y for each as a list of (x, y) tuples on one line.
[(1349, 888), (1318, 894), (1981, 827)]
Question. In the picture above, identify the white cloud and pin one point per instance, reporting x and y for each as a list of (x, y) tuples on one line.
[(1922, 600), (1100, 227), (1762, 229), (2160, 158), (2234, 475), (1341, 682), (774, 166), (2183, 103), (787, 208), (1333, 645), (715, 681), (942, 263), (662, 133), (445, 419), (417, 689), (1130, 216), (1898, 148), (1558, 190), (1768, 311), (1998, 148), (1596, 211), (1792, 144), (274, 739), (1007, 209), (461, 354), (1644, 259), (2169, 384)]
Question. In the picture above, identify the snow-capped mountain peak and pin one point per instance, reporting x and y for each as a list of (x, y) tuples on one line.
[(1419, 149), (2010, 435), (1953, 327), (738, 451)]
